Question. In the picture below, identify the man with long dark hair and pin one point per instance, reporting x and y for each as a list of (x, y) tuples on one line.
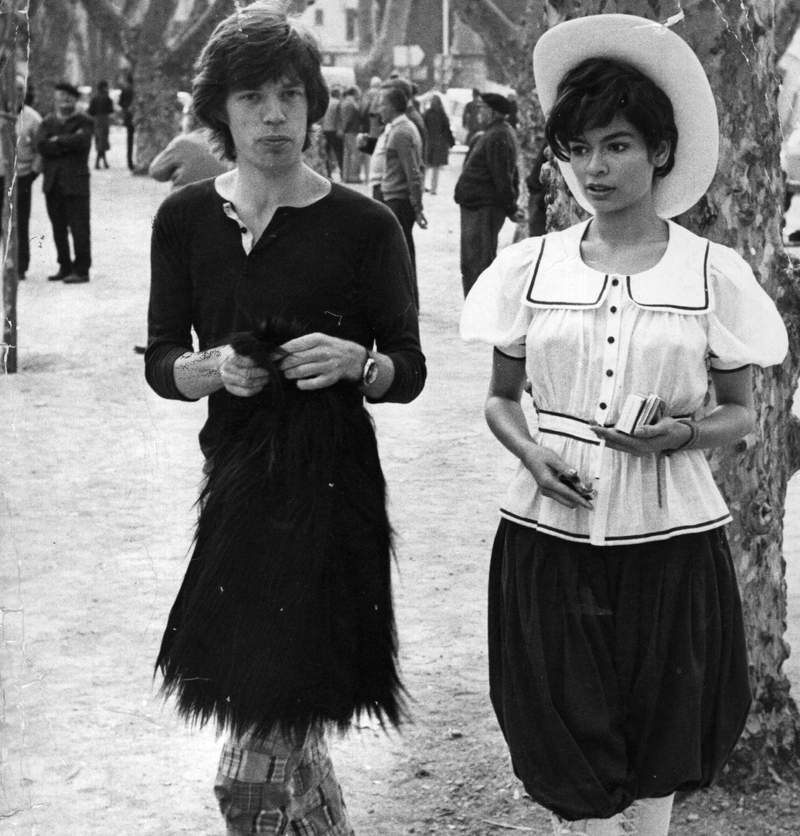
[(283, 626)]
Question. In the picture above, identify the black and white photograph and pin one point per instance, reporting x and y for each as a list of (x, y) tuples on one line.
[(397, 418)]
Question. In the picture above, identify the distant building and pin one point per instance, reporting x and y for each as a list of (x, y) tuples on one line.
[(346, 29), (336, 25)]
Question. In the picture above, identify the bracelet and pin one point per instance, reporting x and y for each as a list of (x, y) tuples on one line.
[(690, 442)]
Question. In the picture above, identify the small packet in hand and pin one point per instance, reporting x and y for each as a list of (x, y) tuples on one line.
[(639, 411)]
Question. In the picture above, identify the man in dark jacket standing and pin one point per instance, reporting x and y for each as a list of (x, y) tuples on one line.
[(487, 189), (64, 141)]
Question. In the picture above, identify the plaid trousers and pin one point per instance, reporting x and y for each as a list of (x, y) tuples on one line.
[(280, 786)]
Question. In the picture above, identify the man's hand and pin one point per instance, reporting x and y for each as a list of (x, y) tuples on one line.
[(317, 360), (240, 375), (422, 221)]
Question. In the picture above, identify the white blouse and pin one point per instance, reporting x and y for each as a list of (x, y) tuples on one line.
[(589, 339)]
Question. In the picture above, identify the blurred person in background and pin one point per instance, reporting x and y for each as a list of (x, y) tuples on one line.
[(370, 118), (351, 126), (371, 125), (471, 118), (101, 107), (440, 139), (126, 99), (487, 189), (412, 109), (513, 109), (188, 158), (332, 133), (401, 179), (64, 140), (27, 164)]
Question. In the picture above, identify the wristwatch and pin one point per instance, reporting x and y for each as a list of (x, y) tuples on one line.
[(369, 372)]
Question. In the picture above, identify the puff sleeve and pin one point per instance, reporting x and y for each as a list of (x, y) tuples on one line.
[(493, 312), (744, 324)]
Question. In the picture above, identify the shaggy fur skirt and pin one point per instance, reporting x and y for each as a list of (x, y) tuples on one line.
[(284, 619)]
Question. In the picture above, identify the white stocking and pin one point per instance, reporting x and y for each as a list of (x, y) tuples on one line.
[(648, 817), (588, 827)]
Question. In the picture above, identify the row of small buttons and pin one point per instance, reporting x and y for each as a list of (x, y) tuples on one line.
[(610, 355)]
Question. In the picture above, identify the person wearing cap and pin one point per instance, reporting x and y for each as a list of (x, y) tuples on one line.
[(617, 659), (487, 189), (472, 116), (64, 141)]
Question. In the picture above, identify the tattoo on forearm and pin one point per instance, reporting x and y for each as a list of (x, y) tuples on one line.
[(192, 361)]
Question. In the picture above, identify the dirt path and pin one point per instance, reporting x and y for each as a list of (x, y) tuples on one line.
[(98, 479)]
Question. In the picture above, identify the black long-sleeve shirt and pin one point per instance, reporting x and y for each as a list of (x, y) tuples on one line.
[(339, 266), (489, 176)]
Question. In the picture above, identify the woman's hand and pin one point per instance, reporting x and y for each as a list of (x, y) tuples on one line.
[(666, 434), (240, 375), (545, 467), (317, 360), (507, 421)]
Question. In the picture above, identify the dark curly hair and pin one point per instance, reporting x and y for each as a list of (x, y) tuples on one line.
[(597, 90), (256, 44)]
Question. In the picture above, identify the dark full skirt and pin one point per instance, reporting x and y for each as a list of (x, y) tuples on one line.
[(101, 132), (616, 673)]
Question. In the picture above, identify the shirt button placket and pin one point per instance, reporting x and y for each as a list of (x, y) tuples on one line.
[(610, 350), (608, 385)]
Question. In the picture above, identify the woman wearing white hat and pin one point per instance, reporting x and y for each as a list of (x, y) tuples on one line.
[(618, 667)]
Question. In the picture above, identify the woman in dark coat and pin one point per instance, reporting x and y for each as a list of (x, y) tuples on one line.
[(100, 109), (440, 139)]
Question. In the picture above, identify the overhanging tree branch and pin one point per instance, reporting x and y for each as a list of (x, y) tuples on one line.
[(187, 47), (485, 17), (787, 18), (111, 22)]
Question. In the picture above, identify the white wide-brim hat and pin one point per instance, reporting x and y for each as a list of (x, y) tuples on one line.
[(669, 62)]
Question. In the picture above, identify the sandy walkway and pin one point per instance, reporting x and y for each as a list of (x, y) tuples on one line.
[(98, 478)]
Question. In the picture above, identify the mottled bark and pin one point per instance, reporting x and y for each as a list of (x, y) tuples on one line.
[(48, 56), (735, 42), (11, 30)]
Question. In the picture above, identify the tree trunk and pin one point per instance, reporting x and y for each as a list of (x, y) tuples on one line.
[(743, 209), (394, 24), (48, 56), (9, 29), (156, 108), (15, 795)]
